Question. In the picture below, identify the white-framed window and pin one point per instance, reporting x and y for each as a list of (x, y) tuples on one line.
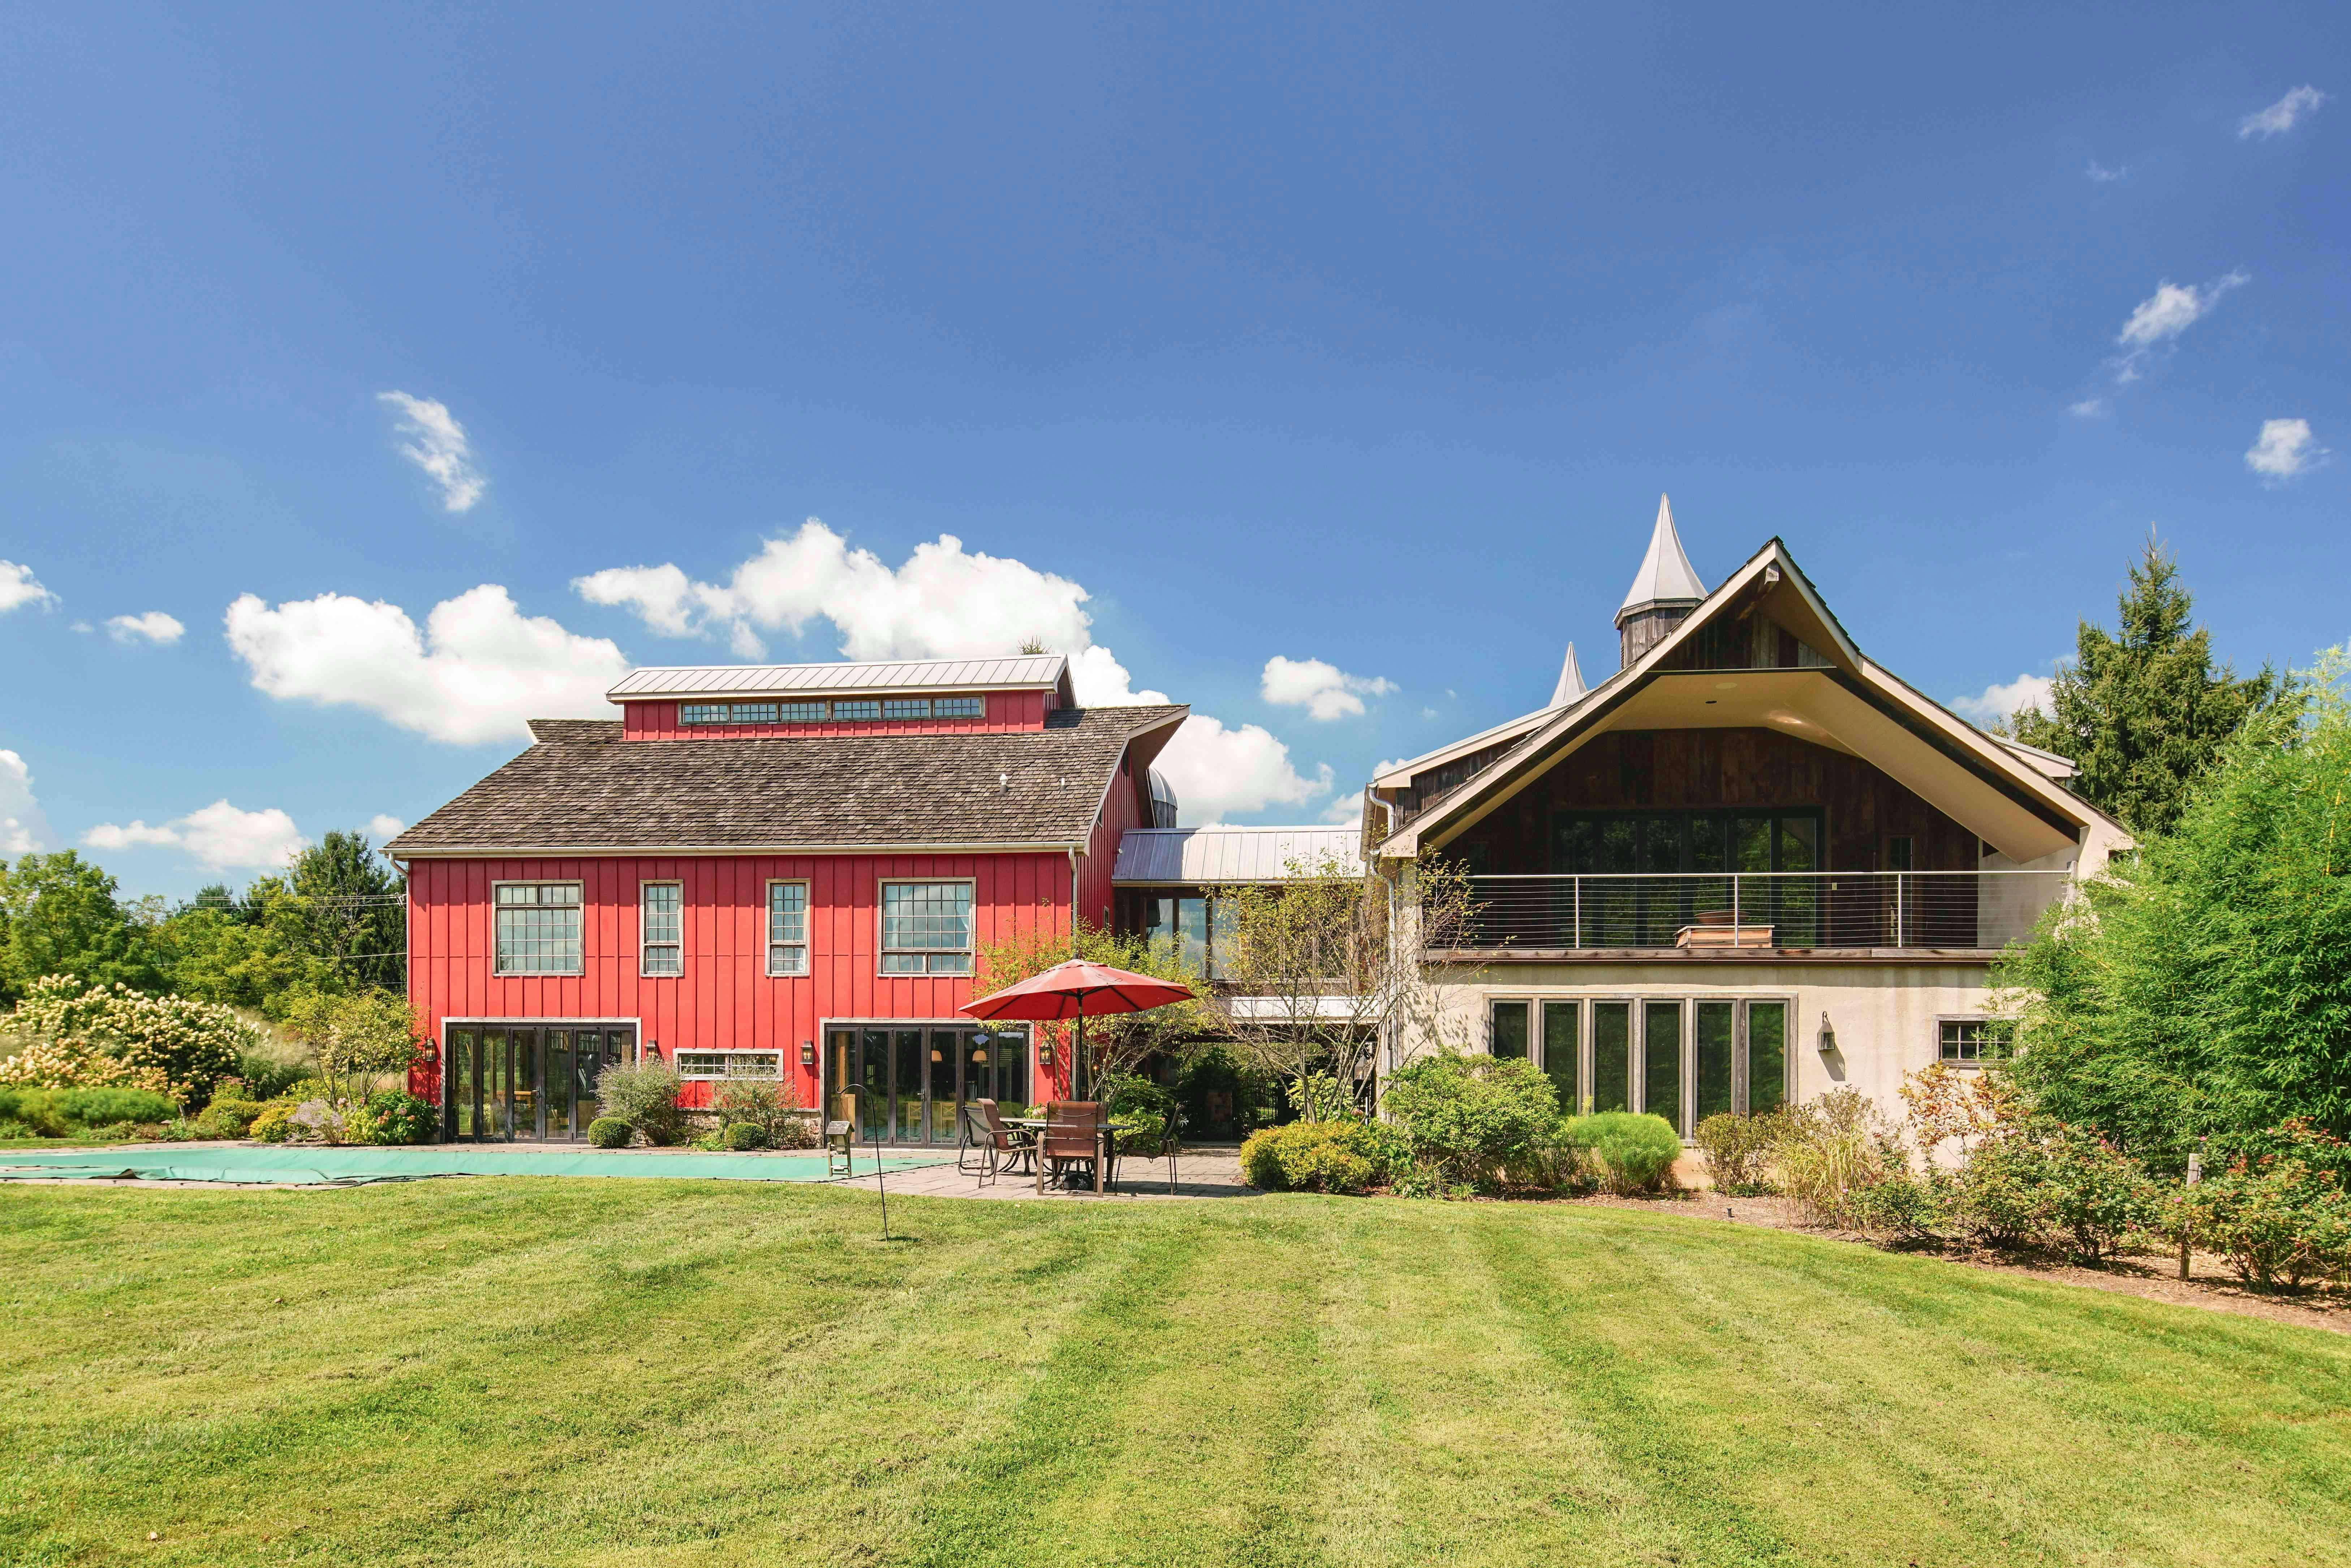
[(788, 951), (534, 928), (661, 928), (1970, 1042), (926, 929), (704, 1066)]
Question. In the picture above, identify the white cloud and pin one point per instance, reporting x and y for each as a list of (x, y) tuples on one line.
[(2283, 449), (1346, 811), (2280, 117), (2000, 700), (1218, 771), (944, 602), (380, 827), (1324, 690), (478, 670), (436, 444), (23, 829), (2100, 174), (2165, 314), (154, 626), (2088, 408), (19, 587), (220, 835)]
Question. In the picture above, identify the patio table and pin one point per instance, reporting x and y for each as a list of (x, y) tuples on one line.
[(1103, 1131)]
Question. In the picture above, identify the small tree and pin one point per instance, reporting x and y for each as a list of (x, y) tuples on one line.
[(1316, 970), (1115, 1043), (357, 1037)]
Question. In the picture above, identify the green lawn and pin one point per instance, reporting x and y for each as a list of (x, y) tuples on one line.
[(640, 1372)]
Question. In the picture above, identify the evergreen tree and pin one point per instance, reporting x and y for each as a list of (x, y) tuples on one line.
[(2142, 711)]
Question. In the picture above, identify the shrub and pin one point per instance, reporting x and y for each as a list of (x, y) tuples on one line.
[(2037, 1183), (1636, 1153), (609, 1132), (1471, 1117), (1737, 1152), (108, 1107), (1315, 1156), (265, 1076), (1151, 1108), (317, 1119), (644, 1096), (1827, 1151), (771, 1105), (274, 1123), (1901, 1203), (743, 1136), (226, 1118), (392, 1116), (2281, 1218), (72, 1033)]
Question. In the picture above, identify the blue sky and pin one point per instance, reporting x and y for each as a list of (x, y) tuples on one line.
[(1361, 335)]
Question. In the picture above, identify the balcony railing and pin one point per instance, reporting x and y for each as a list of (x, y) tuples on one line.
[(1747, 911)]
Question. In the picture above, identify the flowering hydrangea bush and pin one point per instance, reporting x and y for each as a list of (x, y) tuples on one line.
[(72, 1034)]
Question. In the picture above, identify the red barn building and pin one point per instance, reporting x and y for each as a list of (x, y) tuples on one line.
[(767, 871)]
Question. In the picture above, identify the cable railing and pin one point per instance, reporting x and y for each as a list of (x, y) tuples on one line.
[(1739, 912)]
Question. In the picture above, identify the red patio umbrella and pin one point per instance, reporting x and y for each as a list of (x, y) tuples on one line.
[(1077, 989)]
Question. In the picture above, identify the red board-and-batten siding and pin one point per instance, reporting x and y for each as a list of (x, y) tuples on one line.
[(1006, 713), (726, 998)]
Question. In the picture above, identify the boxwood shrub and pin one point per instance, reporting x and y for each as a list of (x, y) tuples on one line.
[(1317, 1156), (609, 1132), (743, 1136)]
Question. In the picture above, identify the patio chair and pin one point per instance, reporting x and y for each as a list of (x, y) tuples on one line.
[(1071, 1139), (1015, 1146), (837, 1161), (984, 1144)]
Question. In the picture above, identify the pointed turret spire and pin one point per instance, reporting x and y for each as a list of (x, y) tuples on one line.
[(1571, 681), (1666, 576), (1664, 592)]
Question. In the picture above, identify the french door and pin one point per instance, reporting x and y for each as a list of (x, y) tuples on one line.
[(1684, 1059), (502, 1082), (907, 1083)]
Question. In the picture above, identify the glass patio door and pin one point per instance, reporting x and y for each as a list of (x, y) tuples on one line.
[(508, 1082), (909, 1083)]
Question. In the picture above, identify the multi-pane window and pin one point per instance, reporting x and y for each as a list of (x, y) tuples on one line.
[(707, 1064), (849, 710), (535, 927), (927, 927), (1969, 1042), (788, 928), (661, 928)]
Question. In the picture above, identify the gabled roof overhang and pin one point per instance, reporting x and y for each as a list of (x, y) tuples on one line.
[(1846, 703)]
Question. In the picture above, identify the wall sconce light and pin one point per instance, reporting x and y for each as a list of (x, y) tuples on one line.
[(808, 1053), (1045, 1053), (1828, 1036)]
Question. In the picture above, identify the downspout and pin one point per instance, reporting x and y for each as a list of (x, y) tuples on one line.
[(1072, 1064)]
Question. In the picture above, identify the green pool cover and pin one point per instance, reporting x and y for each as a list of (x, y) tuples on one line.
[(312, 1167)]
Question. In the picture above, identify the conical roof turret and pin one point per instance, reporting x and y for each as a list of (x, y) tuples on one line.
[(1665, 578), (1571, 681)]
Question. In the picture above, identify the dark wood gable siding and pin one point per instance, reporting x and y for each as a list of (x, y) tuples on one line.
[(1700, 769)]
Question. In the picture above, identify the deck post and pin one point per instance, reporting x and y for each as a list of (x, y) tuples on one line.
[(1578, 912)]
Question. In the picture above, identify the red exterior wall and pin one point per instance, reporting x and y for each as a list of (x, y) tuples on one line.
[(726, 998), (1128, 806), (1006, 712)]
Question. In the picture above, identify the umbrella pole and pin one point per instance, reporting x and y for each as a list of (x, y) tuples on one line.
[(1078, 1068)]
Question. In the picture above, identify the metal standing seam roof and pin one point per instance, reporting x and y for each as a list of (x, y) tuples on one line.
[(1666, 576), (1221, 855), (1026, 672)]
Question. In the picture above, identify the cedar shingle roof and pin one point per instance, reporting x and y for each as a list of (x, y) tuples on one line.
[(583, 787)]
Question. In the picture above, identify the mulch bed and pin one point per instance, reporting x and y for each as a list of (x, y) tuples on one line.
[(2209, 1283)]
